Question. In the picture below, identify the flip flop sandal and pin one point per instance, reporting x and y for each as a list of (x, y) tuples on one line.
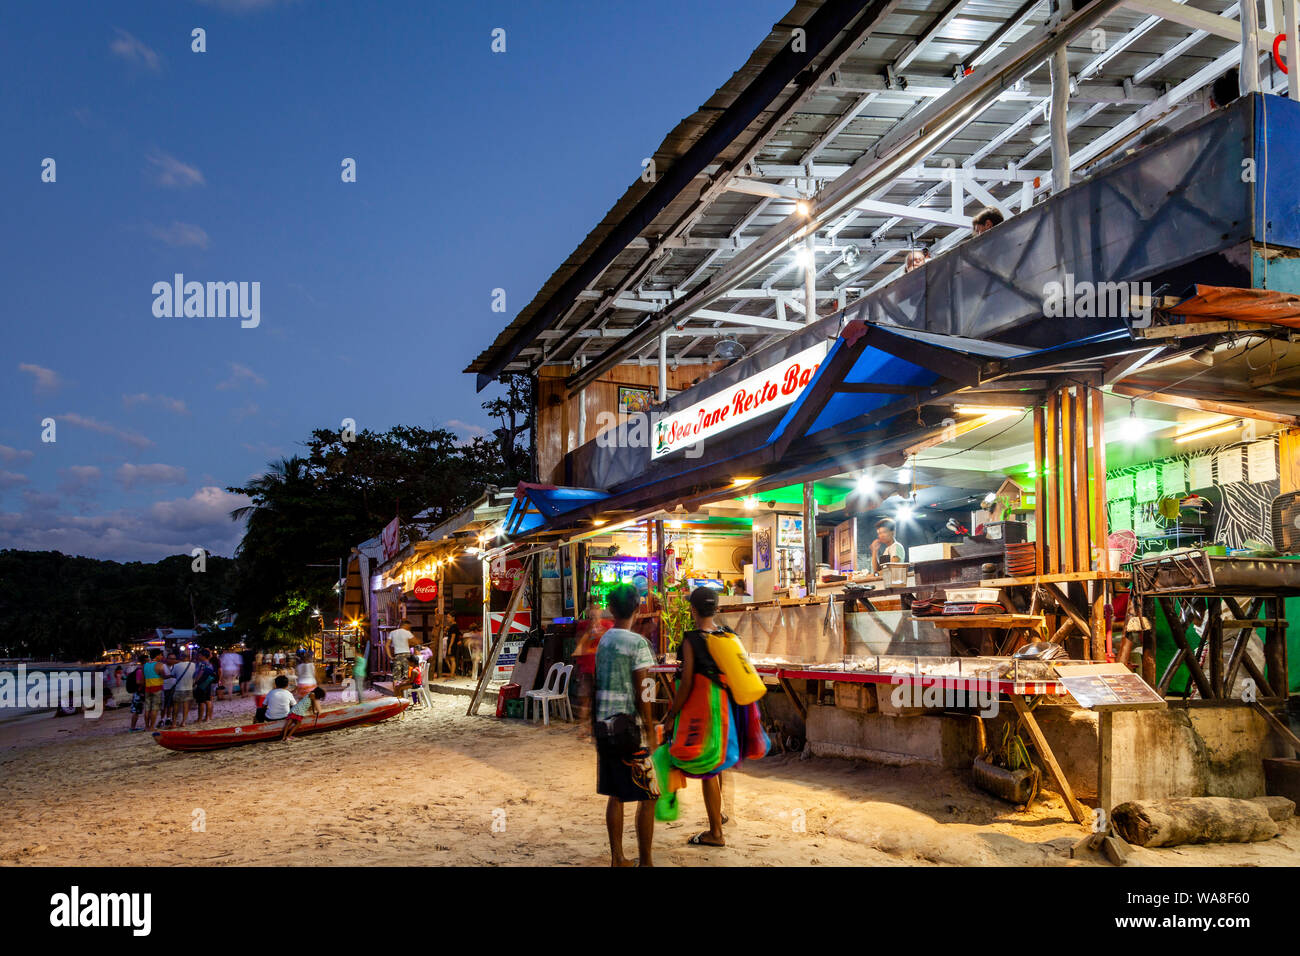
[(698, 840)]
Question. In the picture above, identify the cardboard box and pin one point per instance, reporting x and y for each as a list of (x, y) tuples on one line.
[(930, 552)]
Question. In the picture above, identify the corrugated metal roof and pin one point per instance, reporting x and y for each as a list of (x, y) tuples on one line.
[(912, 52)]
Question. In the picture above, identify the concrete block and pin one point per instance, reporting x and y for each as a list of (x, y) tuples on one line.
[(1282, 777), (932, 739)]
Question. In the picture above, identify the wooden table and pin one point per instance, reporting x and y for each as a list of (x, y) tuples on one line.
[(1083, 614)]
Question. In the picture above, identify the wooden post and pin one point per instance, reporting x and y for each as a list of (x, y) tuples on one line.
[(1099, 480), (1040, 495), (1082, 524), (1066, 493), (1053, 484)]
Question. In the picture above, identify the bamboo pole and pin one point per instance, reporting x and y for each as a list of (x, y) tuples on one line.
[(1053, 489), (1082, 521), (1099, 480), (1040, 494), (1066, 417)]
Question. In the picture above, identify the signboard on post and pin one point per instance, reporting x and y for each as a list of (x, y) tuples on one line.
[(513, 645)]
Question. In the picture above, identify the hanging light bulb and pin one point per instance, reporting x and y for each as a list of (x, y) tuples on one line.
[(1131, 430), (866, 484)]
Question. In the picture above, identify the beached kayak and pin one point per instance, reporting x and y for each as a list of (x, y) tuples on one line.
[(218, 738)]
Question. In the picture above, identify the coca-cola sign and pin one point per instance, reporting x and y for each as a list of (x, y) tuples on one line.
[(426, 589), (770, 389)]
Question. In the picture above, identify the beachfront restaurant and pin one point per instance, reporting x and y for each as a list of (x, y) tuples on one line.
[(1092, 518)]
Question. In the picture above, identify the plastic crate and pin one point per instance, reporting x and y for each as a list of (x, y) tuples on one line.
[(515, 709)]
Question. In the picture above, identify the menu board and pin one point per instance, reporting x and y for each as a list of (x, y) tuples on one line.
[(1148, 484), (1202, 470), (1229, 462), (1108, 687), (1173, 478), (1261, 462)]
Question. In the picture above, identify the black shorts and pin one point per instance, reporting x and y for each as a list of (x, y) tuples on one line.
[(202, 696), (626, 779)]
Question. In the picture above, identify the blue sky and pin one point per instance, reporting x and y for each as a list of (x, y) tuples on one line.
[(475, 171)]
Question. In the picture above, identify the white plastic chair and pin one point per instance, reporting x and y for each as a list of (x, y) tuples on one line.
[(556, 689), (426, 700)]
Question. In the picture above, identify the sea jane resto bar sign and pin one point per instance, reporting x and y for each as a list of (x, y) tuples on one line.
[(746, 400)]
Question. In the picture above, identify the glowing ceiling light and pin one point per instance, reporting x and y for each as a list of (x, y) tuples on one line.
[(1207, 432), (988, 411), (866, 484), (1131, 430), (803, 207), (751, 503)]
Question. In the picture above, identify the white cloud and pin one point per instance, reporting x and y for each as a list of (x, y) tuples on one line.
[(240, 375), (172, 172), (169, 527), (180, 234), (79, 480), (45, 379), (9, 455), (11, 479), (465, 428), (134, 439), (164, 401), (131, 476), (134, 50)]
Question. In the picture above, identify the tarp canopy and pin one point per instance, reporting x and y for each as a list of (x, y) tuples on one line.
[(535, 505)]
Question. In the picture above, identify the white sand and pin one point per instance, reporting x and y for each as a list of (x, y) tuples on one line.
[(423, 790)]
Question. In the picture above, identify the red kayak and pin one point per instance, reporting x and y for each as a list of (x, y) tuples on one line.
[(369, 712)]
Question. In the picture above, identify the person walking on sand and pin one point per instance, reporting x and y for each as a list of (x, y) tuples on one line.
[(155, 673), (205, 683), (697, 665), (305, 673), (623, 770), (310, 703), (360, 664), (135, 687), (399, 645), (230, 664), (182, 689), (263, 682)]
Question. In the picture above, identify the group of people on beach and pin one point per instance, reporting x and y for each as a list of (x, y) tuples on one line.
[(164, 688)]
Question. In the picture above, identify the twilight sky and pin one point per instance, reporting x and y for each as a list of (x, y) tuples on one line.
[(475, 170)]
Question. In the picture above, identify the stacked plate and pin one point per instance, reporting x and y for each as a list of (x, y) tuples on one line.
[(1020, 559)]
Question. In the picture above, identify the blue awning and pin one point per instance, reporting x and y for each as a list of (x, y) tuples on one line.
[(535, 505)]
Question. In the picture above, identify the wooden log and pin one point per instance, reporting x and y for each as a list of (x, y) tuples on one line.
[(1185, 820)]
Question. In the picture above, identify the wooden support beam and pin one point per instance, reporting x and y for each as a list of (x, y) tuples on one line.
[(1079, 439), (1189, 656), (1048, 758), (1183, 400), (507, 621), (1277, 726), (1053, 531), (1040, 494), (1101, 534)]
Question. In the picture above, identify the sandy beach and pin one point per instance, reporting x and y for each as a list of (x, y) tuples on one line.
[(436, 787)]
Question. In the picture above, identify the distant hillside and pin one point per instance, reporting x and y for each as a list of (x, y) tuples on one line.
[(65, 608)]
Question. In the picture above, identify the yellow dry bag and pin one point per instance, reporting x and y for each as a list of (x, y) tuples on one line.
[(744, 683)]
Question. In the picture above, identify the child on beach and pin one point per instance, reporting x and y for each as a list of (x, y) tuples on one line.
[(308, 704), (417, 680)]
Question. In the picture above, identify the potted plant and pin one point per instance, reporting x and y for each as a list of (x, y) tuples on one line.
[(1007, 771)]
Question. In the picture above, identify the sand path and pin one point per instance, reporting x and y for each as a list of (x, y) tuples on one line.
[(437, 787)]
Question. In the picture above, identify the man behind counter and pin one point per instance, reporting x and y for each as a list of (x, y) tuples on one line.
[(885, 548)]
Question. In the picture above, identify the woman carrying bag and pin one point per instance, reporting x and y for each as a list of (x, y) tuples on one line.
[(708, 728)]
